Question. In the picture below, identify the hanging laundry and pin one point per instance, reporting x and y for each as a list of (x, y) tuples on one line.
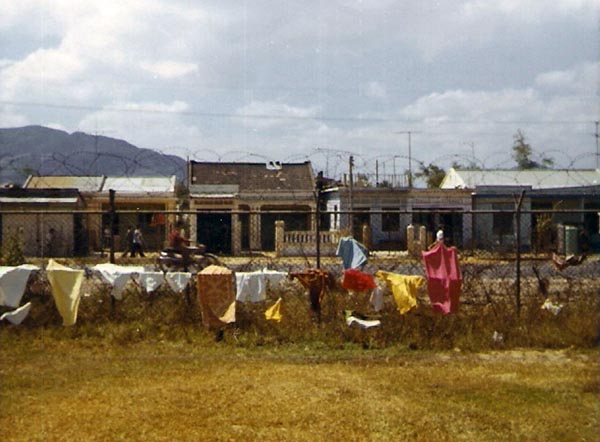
[(376, 298), (274, 313), (158, 219), (404, 288), (216, 296), (252, 286), (117, 276), (357, 281), (65, 284), (178, 281), (353, 253), (444, 279), (360, 320), (13, 281), (150, 281), (17, 316), (317, 282)]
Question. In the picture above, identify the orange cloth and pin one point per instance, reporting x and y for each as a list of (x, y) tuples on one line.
[(317, 282), (216, 296)]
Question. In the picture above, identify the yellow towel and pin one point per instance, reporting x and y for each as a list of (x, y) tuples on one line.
[(404, 288), (274, 312), (66, 290)]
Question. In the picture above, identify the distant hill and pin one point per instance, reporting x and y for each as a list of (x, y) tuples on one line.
[(44, 151)]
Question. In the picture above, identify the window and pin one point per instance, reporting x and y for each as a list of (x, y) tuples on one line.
[(390, 221), (503, 222)]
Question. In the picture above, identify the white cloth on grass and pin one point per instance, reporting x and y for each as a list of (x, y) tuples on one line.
[(13, 281), (18, 315), (178, 281), (362, 323), (117, 276)]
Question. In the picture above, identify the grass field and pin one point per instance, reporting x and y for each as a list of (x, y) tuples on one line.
[(86, 389)]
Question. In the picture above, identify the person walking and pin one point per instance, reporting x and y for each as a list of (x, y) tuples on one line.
[(128, 243), (138, 243)]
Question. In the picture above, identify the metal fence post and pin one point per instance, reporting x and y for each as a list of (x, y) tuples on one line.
[(518, 202), (111, 202)]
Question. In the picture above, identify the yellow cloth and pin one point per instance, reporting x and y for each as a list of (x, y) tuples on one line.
[(66, 290), (404, 288), (274, 313)]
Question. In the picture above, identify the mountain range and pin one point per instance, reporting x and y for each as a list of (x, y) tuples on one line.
[(38, 150)]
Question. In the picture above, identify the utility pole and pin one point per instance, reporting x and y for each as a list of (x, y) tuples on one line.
[(410, 175), (597, 148), (351, 204)]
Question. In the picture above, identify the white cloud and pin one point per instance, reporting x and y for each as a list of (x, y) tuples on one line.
[(268, 114), (375, 90), (169, 69)]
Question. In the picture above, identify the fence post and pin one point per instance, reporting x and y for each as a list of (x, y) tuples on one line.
[(111, 202), (518, 203), (318, 190)]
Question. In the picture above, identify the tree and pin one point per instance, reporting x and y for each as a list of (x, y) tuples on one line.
[(432, 174), (522, 154)]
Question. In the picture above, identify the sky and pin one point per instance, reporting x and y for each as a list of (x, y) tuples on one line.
[(395, 84)]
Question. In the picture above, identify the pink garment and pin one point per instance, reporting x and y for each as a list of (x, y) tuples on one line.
[(444, 279)]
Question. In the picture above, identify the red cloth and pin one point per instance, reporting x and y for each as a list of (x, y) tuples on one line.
[(358, 281), (444, 279)]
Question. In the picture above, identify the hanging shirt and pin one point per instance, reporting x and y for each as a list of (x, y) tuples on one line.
[(353, 253), (404, 288), (317, 282), (357, 281), (444, 279), (65, 284)]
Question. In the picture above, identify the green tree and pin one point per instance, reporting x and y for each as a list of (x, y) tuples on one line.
[(522, 153), (432, 174)]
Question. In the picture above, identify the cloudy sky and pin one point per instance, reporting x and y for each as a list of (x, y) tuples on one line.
[(296, 80)]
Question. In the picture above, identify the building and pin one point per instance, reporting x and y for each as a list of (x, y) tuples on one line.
[(236, 205), (550, 198)]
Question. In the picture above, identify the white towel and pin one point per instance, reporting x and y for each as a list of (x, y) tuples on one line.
[(150, 281), (117, 276), (252, 286), (178, 281), (16, 316), (13, 281)]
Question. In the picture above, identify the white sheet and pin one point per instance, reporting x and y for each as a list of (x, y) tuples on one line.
[(13, 281), (18, 315)]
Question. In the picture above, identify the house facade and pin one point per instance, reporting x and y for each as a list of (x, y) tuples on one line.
[(550, 198), (235, 205), (139, 201)]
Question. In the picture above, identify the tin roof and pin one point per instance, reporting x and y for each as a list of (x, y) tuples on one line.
[(82, 183), (39, 196), (140, 184), (535, 178)]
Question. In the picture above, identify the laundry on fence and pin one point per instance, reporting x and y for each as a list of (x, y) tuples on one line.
[(17, 316), (357, 281), (353, 254), (13, 281), (274, 313), (376, 298), (65, 284), (117, 276), (252, 286), (178, 281), (318, 282), (216, 296), (150, 281), (404, 288), (444, 279)]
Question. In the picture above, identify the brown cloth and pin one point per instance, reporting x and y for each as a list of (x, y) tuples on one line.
[(317, 282), (216, 296)]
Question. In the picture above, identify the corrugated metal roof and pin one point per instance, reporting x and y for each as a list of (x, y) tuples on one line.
[(536, 179), (140, 184), (82, 183), (34, 200)]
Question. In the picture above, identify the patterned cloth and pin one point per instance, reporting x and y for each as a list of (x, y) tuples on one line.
[(216, 296), (317, 282)]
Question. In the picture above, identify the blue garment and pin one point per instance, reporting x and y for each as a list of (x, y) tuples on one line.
[(353, 253)]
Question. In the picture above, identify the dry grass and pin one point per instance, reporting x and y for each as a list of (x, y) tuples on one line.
[(87, 389)]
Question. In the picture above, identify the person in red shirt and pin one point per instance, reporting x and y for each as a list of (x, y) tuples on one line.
[(179, 242)]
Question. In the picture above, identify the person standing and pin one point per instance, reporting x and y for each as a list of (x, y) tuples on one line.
[(138, 243), (128, 244)]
